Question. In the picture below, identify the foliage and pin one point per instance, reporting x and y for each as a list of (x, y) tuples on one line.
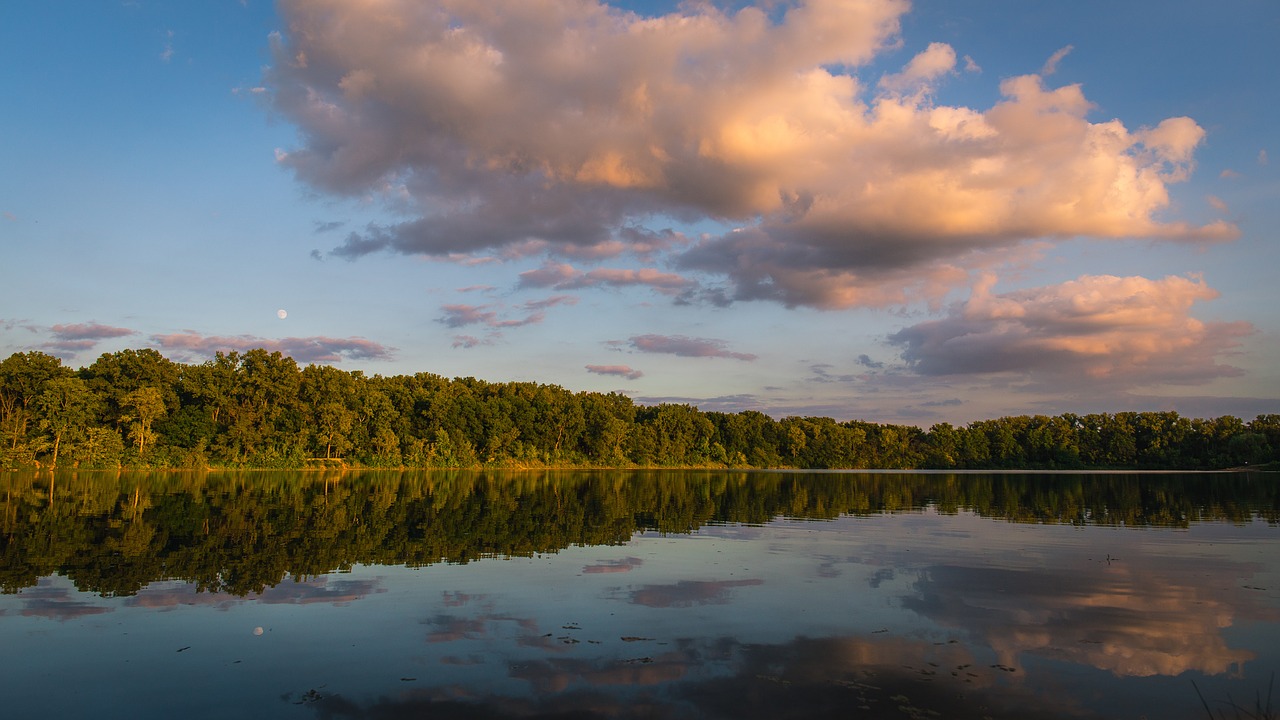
[(260, 410)]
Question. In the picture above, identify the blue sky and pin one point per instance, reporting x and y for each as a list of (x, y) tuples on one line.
[(870, 209)]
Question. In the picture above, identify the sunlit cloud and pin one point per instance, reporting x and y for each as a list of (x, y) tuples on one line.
[(685, 346), (71, 339), (566, 129), (619, 370), (190, 345), (1096, 328), (1051, 65)]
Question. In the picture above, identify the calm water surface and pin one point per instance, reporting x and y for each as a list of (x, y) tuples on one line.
[(637, 595)]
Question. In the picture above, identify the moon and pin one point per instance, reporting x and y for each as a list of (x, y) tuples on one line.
[(282, 314)]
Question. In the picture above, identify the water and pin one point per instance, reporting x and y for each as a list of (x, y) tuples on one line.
[(637, 594)]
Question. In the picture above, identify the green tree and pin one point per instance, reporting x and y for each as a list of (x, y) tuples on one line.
[(65, 408), (22, 379), (140, 408)]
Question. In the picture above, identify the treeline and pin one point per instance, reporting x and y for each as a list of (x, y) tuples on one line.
[(136, 408), (116, 532)]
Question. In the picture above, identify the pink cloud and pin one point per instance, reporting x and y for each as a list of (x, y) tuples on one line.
[(461, 315), (687, 347), (619, 370), (315, 349), (1100, 328), (89, 331)]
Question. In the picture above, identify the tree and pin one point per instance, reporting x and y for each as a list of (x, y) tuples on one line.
[(140, 408), (66, 406), (22, 379)]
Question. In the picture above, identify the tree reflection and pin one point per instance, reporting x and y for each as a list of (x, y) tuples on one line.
[(241, 532)]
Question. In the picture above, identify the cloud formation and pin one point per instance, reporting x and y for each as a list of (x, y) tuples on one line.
[(685, 346), (569, 125), (1096, 328), (619, 370), (190, 345)]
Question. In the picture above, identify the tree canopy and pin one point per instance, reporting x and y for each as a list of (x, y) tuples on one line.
[(136, 408)]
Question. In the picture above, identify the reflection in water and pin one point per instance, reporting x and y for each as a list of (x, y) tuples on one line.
[(658, 595)]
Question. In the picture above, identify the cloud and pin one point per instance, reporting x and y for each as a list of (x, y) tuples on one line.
[(686, 347), (1262, 158), (1051, 65), (619, 370), (9, 216), (866, 361), (75, 338), (1228, 174), (563, 276), (822, 374), (970, 65), (470, 341), (550, 302), (1216, 203), (935, 61), (89, 331), (167, 53), (189, 345), (565, 127), (462, 315), (1096, 328)]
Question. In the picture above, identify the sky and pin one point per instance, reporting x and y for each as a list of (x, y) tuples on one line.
[(909, 212)]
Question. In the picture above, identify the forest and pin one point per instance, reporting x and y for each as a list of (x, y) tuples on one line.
[(259, 409)]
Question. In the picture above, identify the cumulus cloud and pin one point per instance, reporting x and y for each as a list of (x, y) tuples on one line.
[(686, 346), (619, 370), (937, 60), (1096, 328), (189, 345), (567, 127)]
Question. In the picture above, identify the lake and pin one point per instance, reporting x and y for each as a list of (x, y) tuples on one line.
[(638, 594)]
